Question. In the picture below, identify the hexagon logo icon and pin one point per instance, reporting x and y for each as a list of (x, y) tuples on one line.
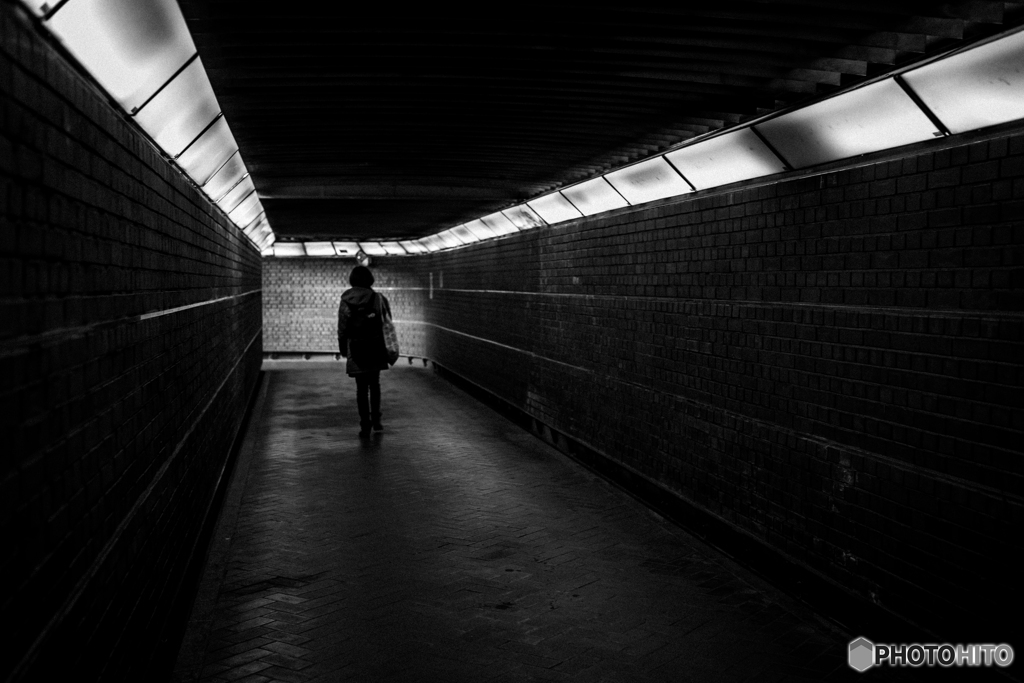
[(861, 655)]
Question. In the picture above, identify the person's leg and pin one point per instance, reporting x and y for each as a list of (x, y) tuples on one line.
[(374, 380), (362, 402)]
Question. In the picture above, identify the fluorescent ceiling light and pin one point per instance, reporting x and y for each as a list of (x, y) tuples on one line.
[(142, 55), (730, 158), (255, 227), (236, 195), (288, 249), (393, 248), (448, 239), (554, 208), (130, 48), (373, 248), (523, 217), (413, 246), (319, 249), (247, 210), (256, 223), (876, 117), (647, 181), (480, 229), (499, 224), (463, 233), (179, 112), (224, 179), (346, 248), (594, 196), (432, 243), (207, 154), (975, 88)]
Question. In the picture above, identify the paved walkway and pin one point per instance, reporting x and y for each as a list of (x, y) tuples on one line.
[(456, 547)]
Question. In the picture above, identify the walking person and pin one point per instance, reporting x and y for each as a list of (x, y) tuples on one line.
[(361, 316)]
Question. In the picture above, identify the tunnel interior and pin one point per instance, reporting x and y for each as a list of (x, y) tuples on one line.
[(681, 247)]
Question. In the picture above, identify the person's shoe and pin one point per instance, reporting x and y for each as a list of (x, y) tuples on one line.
[(364, 429), (377, 426)]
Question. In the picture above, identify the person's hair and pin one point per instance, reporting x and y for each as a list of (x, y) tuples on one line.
[(361, 277)]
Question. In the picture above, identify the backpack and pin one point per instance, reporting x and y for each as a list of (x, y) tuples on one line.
[(364, 322)]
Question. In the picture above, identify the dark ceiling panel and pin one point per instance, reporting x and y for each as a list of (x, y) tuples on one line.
[(359, 219), (374, 122)]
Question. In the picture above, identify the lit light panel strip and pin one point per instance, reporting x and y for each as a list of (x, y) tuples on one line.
[(413, 246), (223, 180), (319, 248), (179, 112), (730, 158), (554, 208), (372, 249), (449, 239), (869, 119), (288, 249), (464, 234), (480, 229), (499, 224), (256, 225), (979, 87), (257, 228), (523, 217), (433, 243), (233, 198), (248, 209), (648, 181), (143, 56), (207, 154), (393, 248), (594, 196), (130, 48), (346, 248)]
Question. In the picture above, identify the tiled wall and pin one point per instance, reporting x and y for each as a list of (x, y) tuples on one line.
[(301, 297), (831, 364), (129, 346)]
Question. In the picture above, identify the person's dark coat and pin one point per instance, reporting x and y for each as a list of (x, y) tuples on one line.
[(360, 330)]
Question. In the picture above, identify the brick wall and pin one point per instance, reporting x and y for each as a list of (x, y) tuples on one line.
[(129, 345), (301, 296), (831, 364)]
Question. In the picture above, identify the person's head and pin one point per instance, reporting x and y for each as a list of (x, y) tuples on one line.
[(361, 277)]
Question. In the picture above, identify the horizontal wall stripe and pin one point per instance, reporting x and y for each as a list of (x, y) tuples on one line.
[(874, 310), (530, 353), (65, 333), (90, 574), (768, 426), (169, 311)]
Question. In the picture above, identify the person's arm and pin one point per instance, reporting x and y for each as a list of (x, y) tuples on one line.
[(342, 329), (386, 306)]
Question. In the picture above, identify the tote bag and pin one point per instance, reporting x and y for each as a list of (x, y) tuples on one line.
[(390, 336)]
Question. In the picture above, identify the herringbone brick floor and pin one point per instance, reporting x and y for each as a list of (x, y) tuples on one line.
[(456, 547)]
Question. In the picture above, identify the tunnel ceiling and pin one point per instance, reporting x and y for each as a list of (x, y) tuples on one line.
[(371, 122)]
